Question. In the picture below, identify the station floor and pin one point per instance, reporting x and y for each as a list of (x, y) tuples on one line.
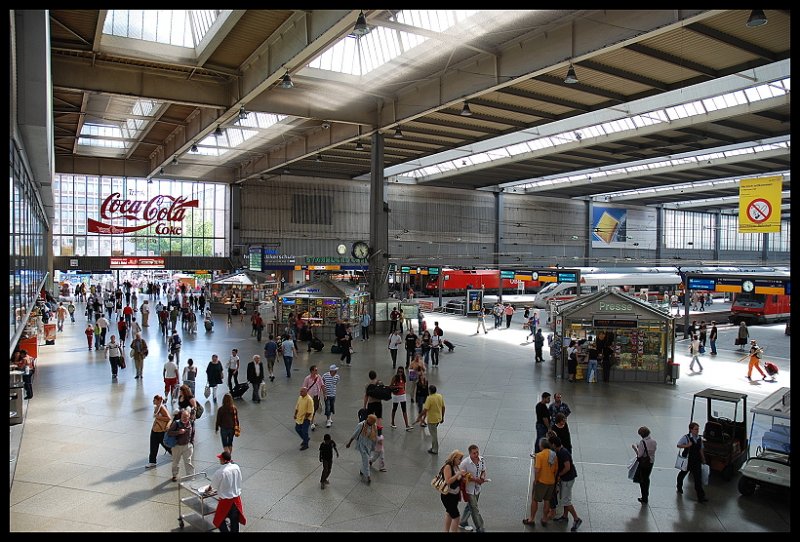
[(84, 442)]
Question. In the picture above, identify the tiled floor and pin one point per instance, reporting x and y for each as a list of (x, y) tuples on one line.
[(85, 442)]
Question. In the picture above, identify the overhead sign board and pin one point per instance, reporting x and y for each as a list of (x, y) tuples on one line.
[(136, 262)]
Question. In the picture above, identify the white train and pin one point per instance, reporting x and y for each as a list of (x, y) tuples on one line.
[(655, 280)]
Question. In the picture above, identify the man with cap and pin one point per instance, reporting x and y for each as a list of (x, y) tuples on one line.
[(330, 379), (227, 482)]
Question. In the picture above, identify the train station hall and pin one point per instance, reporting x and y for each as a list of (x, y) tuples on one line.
[(386, 271)]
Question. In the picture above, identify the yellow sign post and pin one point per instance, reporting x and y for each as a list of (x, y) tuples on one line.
[(760, 205)]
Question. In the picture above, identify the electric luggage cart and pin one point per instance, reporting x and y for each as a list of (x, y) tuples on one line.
[(200, 504), (769, 454), (725, 429)]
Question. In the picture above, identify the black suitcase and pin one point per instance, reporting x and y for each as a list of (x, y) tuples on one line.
[(317, 344), (336, 349), (239, 390), (450, 346)]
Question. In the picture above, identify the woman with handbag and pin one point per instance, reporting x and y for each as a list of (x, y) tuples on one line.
[(692, 446), (452, 475), (227, 422), (645, 457), (161, 422)]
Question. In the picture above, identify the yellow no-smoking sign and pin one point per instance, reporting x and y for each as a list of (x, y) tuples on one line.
[(760, 205)]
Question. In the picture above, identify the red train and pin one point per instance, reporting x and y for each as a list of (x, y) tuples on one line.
[(755, 308), (455, 282)]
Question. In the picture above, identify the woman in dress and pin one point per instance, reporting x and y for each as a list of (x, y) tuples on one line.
[(452, 475), (214, 375), (161, 421), (227, 422), (398, 385), (742, 336), (414, 370), (425, 339)]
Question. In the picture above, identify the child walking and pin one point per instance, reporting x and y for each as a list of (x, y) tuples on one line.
[(377, 453), (326, 450)]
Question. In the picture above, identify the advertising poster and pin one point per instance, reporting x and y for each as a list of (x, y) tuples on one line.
[(50, 333), (474, 301), (623, 227)]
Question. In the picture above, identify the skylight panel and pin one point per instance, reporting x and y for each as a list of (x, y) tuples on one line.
[(179, 27), (519, 148)]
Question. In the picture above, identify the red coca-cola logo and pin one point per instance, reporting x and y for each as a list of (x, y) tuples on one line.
[(160, 208)]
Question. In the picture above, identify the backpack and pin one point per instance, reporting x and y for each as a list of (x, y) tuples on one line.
[(175, 343), (169, 441), (379, 391), (198, 410)]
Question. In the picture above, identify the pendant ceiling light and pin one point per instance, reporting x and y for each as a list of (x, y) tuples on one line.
[(757, 18), (571, 78), (466, 111), (361, 28), (398, 134), (286, 81)]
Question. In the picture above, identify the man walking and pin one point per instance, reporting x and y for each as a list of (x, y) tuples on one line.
[(712, 338), (303, 410), (288, 350), (475, 468), (316, 389), (227, 482), (255, 375), (233, 369), (183, 431), (433, 409), (538, 344), (330, 379)]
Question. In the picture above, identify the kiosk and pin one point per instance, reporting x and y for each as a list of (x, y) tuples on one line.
[(248, 286), (320, 303), (640, 338)]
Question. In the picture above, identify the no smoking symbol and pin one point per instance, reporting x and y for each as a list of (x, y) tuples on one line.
[(759, 210)]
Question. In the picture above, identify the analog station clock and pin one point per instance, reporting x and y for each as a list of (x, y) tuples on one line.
[(747, 286), (360, 250), (341, 249)]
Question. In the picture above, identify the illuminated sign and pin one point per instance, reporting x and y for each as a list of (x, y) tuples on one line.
[(163, 211), (507, 274), (605, 322), (136, 262), (405, 269), (255, 259), (433, 270), (615, 307), (702, 284), (567, 277)]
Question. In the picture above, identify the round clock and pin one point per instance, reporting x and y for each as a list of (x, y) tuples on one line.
[(360, 250), (747, 286), (341, 249)]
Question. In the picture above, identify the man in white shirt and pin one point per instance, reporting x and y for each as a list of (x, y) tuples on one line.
[(475, 468), (233, 368), (171, 379), (227, 482), (102, 323)]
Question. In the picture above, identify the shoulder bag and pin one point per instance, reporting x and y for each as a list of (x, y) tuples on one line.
[(439, 483), (207, 391), (682, 461), (198, 409)]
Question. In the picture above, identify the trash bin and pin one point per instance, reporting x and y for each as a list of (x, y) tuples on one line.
[(674, 371), (15, 405)]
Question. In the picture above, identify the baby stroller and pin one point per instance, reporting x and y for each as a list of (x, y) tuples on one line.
[(771, 369)]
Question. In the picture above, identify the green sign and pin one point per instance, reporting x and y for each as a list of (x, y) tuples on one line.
[(405, 269), (507, 274), (433, 270)]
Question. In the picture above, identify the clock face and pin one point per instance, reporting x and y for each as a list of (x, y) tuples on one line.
[(341, 249), (747, 286), (360, 250)]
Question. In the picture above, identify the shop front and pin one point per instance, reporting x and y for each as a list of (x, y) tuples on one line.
[(246, 287), (637, 339), (321, 303)]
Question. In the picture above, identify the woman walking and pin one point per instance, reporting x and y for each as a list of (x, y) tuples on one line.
[(161, 422), (414, 370), (646, 456), (365, 435), (227, 423), (398, 385), (214, 375), (452, 475)]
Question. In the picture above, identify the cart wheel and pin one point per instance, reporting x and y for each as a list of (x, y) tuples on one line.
[(747, 486)]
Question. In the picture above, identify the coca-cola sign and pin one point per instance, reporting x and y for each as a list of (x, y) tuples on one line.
[(166, 212)]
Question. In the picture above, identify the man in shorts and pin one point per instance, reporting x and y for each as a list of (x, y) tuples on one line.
[(545, 468)]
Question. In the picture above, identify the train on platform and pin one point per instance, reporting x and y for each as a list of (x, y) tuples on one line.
[(752, 308), (457, 281)]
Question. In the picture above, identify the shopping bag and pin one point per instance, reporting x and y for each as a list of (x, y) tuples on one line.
[(262, 390), (633, 466), (705, 471), (681, 463), (207, 391)]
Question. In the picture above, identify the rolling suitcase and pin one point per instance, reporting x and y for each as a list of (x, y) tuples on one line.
[(317, 344), (239, 390), (450, 346)]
